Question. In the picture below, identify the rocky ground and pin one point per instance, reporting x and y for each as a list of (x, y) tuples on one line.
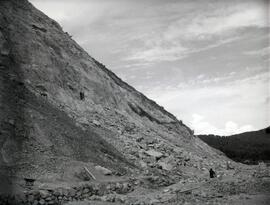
[(241, 185)]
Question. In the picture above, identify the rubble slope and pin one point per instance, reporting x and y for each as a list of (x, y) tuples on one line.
[(58, 104)]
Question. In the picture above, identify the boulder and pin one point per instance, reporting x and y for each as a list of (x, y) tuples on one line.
[(165, 166), (139, 139), (142, 164), (103, 170), (154, 201), (72, 192), (42, 201), (96, 123), (153, 153)]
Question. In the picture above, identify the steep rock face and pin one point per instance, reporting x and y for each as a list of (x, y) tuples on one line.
[(35, 134), (60, 104)]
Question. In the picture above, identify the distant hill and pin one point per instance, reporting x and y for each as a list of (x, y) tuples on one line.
[(248, 147)]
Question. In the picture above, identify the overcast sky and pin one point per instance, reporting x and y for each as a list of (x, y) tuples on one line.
[(205, 61)]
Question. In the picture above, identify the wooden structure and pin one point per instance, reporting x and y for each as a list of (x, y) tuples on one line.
[(29, 182)]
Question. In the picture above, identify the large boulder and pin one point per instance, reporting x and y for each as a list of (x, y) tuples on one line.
[(153, 153), (103, 170), (165, 166)]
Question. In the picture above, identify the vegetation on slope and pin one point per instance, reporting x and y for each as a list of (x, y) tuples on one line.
[(248, 147)]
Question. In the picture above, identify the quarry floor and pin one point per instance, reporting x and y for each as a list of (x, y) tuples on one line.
[(248, 185)]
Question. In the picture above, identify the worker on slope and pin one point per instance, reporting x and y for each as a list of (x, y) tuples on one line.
[(212, 173)]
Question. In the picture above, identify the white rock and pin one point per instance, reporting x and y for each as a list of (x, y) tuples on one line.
[(154, 153), (103, 170), (165, 166), (142, 164), (97, 123)]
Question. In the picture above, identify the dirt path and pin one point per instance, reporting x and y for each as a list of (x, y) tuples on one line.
[(243, 199)]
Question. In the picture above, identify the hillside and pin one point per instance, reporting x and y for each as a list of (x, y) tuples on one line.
[(248, 147), (59, 104), (65, 115)]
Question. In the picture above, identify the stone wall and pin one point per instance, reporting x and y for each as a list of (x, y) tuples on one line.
[(63, 195)]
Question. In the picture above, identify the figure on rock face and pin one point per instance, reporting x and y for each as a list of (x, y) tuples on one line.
[(212, 173), (82, 95)]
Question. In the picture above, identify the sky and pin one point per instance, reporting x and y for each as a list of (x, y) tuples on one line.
[(205, 61)]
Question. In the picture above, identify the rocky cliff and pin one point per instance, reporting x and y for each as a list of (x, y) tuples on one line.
[(61, 109)]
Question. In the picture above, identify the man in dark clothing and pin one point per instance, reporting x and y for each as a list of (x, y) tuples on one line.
[(82, 95), (212, 173)]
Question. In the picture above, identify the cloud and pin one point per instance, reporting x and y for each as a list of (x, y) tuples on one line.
[(241, 101), (159, 54), (201, 76), (203, 127), (173, 52), (211, 27), (153, 31), (220, 21), (260, 52)]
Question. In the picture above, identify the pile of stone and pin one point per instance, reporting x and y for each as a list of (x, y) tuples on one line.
[(156, 181), (109, 198), (63, 195)]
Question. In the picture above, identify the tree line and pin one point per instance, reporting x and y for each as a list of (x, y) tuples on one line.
[(248, 147)]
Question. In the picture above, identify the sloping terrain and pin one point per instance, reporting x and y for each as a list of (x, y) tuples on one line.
[(62, 111), (248, 147), (61, 99)]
